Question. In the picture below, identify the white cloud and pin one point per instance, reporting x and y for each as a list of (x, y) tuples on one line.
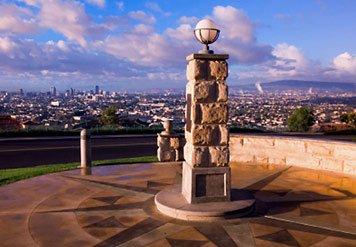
[(149, 49), (182, 33), (234, 23), (120, 5), (175, 43), (31, 2), (15, 19), (290, 61), (191, 20), (345, 63), (164, 76), (99, 3), (142, 29), (68, 18), (6, 45), (142, 16), (116, 47), (156, 8), (62, 45), (237, 36)]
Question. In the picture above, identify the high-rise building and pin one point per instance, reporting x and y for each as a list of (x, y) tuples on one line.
[(53, 91), (97, 89), (21, 91), (71, 91)]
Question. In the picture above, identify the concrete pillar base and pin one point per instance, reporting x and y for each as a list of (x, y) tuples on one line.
[(206, 184), (172, 203)]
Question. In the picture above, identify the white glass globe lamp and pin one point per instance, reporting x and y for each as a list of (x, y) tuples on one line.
[(206, 32)]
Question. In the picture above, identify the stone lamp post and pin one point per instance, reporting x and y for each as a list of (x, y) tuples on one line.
[(205, 192)]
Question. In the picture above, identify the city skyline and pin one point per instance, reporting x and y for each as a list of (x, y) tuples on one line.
[(130, 45)]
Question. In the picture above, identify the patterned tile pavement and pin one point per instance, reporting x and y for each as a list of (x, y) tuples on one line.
[(114, 207)]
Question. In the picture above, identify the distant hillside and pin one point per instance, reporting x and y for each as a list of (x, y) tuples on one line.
[(299, 85)]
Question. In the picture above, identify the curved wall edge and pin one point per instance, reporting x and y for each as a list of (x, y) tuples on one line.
[(317, 154)]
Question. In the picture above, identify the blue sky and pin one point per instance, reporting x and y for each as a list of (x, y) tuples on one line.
[(142, 44)]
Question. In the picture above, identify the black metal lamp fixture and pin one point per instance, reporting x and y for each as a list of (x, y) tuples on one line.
[(206, 32)]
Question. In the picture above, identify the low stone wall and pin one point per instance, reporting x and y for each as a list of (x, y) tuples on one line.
[(294, 151)]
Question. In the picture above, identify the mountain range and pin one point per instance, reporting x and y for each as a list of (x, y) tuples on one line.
[(297, 85)]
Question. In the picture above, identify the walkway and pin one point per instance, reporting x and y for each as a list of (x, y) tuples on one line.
[(295, 207)]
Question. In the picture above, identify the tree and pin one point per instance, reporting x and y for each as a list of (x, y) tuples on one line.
[(301, 120), (109, 116), (344, 118), (349, 118)]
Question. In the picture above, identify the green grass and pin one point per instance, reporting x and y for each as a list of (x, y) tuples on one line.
[(12, 175)]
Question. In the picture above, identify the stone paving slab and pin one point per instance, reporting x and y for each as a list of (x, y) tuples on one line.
[(115, 207)]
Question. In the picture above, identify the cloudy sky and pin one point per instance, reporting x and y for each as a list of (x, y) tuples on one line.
[(142, 44)]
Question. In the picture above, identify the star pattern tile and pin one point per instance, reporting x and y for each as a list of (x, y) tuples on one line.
[(122, 213), (108, 199), (282, 237), (110, 222), (311, 212), (183, 242)]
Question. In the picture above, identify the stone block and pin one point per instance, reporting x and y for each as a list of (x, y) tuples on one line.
[(223, 135), (319, 149), (196, 113), (288, 145), (163, 142), (277, 161), (196, 156), (302, 161), (218, 70), (189, 88), (243, 157), (205, 91), (197, 70), (203, 135), (345, 151), (166, 155), (222, 90), (261, 159), (350, 167), (332, 164), (174, 142), (219, 155), (187, 182), (261, 142), (216, 113), (179, 154)]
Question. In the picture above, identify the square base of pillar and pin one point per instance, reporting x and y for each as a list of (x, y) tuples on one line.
[(206, 184)]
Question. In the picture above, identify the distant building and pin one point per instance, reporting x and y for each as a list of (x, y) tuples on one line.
[(71, 91), (21, 91), (55, 103), (97, 91), (53, 91)]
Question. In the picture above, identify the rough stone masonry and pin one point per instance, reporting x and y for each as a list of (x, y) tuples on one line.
[(169, 147), (206, 171)]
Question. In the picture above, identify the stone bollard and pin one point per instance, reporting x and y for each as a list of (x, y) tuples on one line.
[(85, 153), (168, 143), (168, 127)]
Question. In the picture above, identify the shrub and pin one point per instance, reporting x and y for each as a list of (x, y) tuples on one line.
[(301, 120)]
